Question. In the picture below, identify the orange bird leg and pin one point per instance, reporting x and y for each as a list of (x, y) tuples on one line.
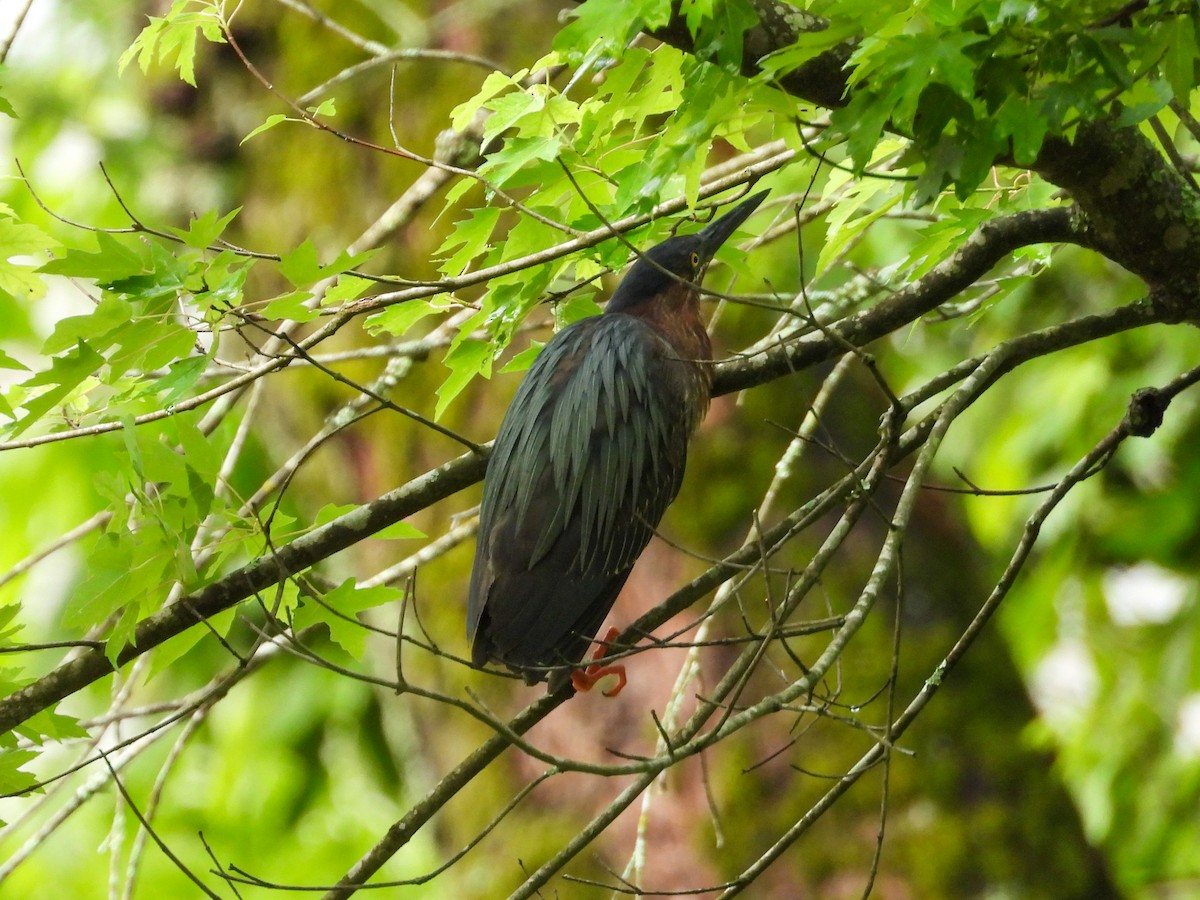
[(611, 678)]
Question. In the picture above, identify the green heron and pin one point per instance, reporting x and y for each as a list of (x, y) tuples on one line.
[(590, 454)]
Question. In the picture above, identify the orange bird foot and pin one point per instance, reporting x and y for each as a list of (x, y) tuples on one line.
[(610, 679)]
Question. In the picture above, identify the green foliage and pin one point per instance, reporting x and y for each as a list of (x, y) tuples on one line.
[(401, 531), (467, 359), (203, 230), (338, 611), (19, 280), (153, 303), (973, 82), (174, 37), (610, 26), (302, 269), (400, 317), (718, 26), (161, 491)]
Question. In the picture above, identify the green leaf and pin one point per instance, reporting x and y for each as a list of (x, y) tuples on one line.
[(201, 451), (862, 121), (577, 306), (398, 318), (150, 345), (400, 531), (495, 83), (166, 277), (175, 36), (327, 108), (12, 780), (123, 571), (226, 279), (302, 268), (19, 280), (345, 261), (466, 360), (272, 120), (203, 230), (516, 153), (510, 297), (458, 190), (1025, 126), (345, 289), (1145, 99), (180, 377), (471, 235), (843, 229), (941, 238), (808, 45), (171, 650), (112, 261), (611, 24), (719, 28), (50, 725), (511, 108), (338, 610), (66, 373), (523, 360), (1179, 60), (7, 362), (17, 238), (291, 306), (331, 511), (943, 165)]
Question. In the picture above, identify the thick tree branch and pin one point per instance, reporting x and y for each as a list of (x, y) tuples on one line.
[(1141, 212)]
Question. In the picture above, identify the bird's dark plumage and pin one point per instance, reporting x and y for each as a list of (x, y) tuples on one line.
[(590, 454)]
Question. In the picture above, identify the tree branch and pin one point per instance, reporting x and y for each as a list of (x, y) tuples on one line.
[(990, 243)]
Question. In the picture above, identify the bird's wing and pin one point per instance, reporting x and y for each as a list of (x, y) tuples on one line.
[(588, 458)]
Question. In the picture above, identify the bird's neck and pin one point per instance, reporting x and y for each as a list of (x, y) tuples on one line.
[(676, 316)]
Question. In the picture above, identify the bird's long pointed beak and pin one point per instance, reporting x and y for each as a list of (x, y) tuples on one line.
[(719, 230)]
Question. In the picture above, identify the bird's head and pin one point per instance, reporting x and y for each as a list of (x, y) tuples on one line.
[(682, 258)]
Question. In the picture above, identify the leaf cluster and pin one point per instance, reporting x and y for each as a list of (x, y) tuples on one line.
[(974, 82)]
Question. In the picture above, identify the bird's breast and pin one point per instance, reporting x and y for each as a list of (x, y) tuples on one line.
[(687, 356)]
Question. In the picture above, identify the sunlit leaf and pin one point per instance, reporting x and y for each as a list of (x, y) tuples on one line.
[(400, 531), (205, 228), (398, 318), (468, 359), (270, 122), (338, 610)]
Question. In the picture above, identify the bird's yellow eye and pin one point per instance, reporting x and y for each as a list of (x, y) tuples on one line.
[(695, 259)]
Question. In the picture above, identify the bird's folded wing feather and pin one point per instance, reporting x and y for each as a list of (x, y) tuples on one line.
[(590, 455)]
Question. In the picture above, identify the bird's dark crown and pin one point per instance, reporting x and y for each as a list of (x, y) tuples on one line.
[(679, 259)]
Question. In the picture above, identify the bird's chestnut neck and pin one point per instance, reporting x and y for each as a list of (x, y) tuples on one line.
[(675, 315)]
